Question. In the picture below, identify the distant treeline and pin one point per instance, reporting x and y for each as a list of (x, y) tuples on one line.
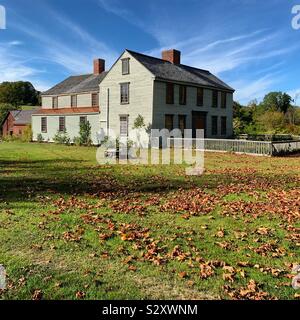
[(13, 95), (276, 114)]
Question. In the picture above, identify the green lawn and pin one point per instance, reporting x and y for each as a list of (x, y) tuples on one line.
[(72, 229)]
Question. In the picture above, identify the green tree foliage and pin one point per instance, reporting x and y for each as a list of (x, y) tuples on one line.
[(85, 133), (27, 134), (18, 93), (276, 101), (139, 122), (243, 118), (271, 122), (275, 114), (4, 109), (61, 138)]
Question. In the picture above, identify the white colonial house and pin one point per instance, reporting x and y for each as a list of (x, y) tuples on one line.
[(166, 93)]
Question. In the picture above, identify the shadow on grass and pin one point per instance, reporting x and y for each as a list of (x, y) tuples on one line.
[(22, 180)]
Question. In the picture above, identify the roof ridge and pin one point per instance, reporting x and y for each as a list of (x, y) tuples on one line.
[(175, 64), (148, 56)]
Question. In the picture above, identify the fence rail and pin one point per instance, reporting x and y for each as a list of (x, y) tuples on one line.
[(263, 148)]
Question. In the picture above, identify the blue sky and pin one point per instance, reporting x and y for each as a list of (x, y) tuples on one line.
[(248, 43)]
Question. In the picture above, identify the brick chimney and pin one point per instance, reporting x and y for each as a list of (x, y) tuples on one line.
[(99, 66), (172, 56)]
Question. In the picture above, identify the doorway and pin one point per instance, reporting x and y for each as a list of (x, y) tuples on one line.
[(198, 122)]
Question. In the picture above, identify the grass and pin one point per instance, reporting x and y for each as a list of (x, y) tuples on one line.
[(73, 229)]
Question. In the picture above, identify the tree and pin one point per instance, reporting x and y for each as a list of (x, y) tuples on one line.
[(18, 93), (242, 117), (139, 122), (276, 101), (85, 133), (4, 109), (271, 122)]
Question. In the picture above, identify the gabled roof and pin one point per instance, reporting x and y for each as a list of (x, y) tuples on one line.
[(77, 84), (22, 116), (166, 70)]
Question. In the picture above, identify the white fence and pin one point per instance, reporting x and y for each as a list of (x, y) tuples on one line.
[(263, 148), (279, 148)]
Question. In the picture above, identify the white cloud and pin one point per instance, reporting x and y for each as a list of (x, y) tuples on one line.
[(74, 52), (295, 94), (74, 59), (247, 90), (12, 66)]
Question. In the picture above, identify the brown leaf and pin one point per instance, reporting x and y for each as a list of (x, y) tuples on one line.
[(206, 271), (37, 295), (182, 275), (80, 295)]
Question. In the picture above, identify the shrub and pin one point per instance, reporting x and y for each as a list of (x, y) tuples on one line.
[(139, 122), (62, 138), (11, 138), (76, 141), (27, 134), (85, 134), (39, 138), (271, 122)]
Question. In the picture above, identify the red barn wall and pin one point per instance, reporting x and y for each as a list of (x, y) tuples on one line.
[(8, 125)]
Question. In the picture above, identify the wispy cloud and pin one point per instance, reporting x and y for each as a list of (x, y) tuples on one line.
[(295, 94), (13, 66), (114, 6), (77, 59), (152, 27), (247, 90), (74, 52)]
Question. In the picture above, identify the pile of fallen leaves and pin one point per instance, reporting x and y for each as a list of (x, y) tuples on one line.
[(251, 292), (194, 202)]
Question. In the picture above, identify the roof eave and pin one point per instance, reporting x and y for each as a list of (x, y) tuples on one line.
[(194, 84), (44, 94)]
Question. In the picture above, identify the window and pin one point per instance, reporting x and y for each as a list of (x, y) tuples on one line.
[(200, 97), (124, 126), (82, 120), (124, 93), (214, 125), (95, 100), (169, 122), (223, 126), (223, 100), (125, 66), (182, 123), (215, 99), (54, 102), (44, 124), (62, 124), (73, 101), (169, 93), (182, 95)]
